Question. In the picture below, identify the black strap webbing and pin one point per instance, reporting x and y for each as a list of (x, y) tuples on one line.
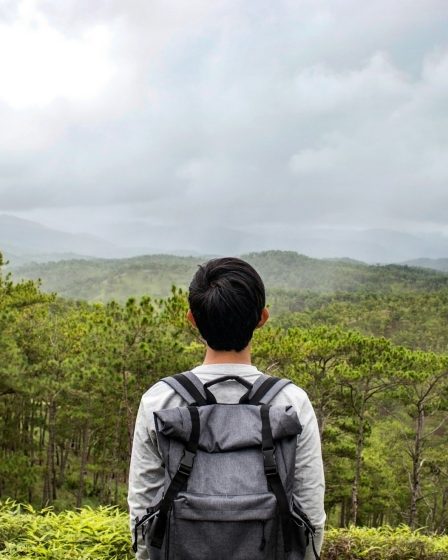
[(302, 521), (179, 479), (316, 554), (263, 389), (272, 475), (191, 388), (211, 398)]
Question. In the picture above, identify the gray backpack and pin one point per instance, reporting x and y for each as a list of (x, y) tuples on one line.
[(229, 473)]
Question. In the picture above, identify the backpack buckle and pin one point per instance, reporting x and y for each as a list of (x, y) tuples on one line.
[(186, 463), (270, 464)]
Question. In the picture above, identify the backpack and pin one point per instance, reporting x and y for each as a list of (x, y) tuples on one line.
[(229, 473)]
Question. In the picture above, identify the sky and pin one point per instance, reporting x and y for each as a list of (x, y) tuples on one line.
[(225, 126)]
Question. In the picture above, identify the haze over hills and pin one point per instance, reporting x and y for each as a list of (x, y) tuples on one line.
[(24, 241), (77, 266), (434, 264), (105, 279)]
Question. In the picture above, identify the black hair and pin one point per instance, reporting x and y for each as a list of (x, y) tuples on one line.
[(226, 298)]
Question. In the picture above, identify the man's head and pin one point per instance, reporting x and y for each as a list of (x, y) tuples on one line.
[(227, 302)]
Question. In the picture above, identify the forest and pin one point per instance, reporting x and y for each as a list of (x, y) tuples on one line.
[(373, 361), (285, 271)]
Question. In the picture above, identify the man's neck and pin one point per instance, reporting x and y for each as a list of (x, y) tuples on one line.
[(223, 357)]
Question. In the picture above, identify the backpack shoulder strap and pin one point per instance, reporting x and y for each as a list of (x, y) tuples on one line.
[(188, 386), (265, 388), (273, 477), (179, 480)]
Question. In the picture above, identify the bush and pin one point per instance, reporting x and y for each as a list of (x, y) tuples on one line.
[(384, 543), (87, 534), (103, 534)]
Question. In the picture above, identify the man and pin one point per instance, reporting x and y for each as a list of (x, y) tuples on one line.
[(227, 303)]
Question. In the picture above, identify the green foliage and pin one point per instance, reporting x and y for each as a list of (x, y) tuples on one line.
[(103, 534), (87, 534), (72, 374), (415, 319), (385, 543), (284, 271)]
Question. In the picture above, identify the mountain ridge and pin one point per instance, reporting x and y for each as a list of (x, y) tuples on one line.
[(434, 264), (23, 240), (104, 279)]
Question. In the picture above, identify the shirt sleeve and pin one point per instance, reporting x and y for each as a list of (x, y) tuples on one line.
[(146, 473), (309, 481)]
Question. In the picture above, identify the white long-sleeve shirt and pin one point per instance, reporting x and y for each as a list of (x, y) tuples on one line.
[(146, 474)]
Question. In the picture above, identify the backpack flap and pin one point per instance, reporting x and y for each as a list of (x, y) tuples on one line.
[(227, 427), (230, 438)]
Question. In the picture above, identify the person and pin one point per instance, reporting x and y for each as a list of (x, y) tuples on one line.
[(227, 303)]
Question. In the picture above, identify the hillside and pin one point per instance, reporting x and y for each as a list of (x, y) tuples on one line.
[(104, 279), (434, 264)]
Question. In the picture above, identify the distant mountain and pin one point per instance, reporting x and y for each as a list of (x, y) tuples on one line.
[(15, 260), (366, 245), (24, 240), (105, 279), (344, 260), (434, 264), (371, 245)]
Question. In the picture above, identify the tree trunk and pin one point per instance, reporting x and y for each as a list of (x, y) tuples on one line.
[(343, 517), (358, 466), (64, 451), (31, 433), (31, 446), (416, 465), (115, 489), (49, 488), (83, 465), (42, 430), (129, 414), (443, 513)]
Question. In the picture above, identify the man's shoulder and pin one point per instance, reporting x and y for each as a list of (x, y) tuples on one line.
[(154, 391), (296, 391), (292, 394), (159, 396)]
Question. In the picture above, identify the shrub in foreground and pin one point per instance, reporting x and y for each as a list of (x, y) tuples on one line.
[(103, 534), (384, 543), (87, 534)]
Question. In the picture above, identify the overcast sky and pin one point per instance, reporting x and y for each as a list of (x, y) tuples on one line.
[(220, 125)]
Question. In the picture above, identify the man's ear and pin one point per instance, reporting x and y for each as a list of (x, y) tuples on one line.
[(264, 317), (190, 318)]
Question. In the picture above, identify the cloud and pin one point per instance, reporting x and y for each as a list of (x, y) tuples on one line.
[(233, 115)]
